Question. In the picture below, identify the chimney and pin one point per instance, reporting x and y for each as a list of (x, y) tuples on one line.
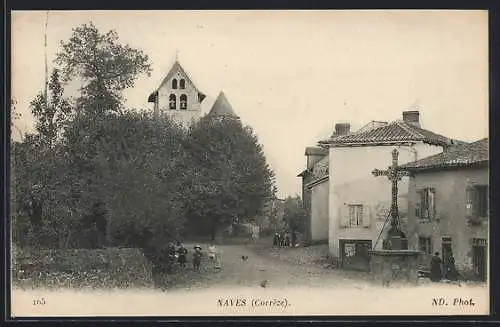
[(342, 128), (412, 117)]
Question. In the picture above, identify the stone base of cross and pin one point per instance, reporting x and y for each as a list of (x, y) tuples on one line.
[(395, 238)]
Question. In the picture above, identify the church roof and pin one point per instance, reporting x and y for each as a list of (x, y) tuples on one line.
[(462, 155), (176, 67), (392, 133), (222, 107)]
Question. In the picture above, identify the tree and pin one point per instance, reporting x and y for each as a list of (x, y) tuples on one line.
[(105, 67), (229, 177), (40, 167), (294, 214), (51, 115)]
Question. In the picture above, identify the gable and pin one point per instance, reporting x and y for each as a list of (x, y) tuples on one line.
[(166, 82), (176, 72)]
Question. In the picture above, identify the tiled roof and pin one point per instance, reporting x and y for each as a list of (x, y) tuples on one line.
[(222, 107), (395, 132), (462, 155), (305, 172), (176, 67), (371, 125)]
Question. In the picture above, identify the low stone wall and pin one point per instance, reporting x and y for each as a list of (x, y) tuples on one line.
[(108, 268), (388, 266)]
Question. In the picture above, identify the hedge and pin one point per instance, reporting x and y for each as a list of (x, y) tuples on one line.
[(81, 268)]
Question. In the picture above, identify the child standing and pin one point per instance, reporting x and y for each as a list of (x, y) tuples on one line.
[(182, 253), (197, 258)]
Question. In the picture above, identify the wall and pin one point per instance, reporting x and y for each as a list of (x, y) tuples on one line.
[(450, 186), (193, 110), (306, 202), (351, 181), (319, 212)]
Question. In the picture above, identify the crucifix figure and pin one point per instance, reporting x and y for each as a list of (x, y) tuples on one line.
[(394, 174)]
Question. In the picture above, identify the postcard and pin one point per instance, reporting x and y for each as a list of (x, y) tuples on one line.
[(249, 163)]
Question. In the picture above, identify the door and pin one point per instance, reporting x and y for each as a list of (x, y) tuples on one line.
[(355, 255), (446, 250), (479, 257)]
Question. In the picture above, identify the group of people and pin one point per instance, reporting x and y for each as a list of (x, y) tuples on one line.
[(285, 239), (178, 253), (448, 265)]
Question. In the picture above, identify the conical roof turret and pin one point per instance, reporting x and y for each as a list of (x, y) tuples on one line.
[(222, 107)]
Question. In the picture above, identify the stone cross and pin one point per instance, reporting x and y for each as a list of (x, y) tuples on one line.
[(394, 174)]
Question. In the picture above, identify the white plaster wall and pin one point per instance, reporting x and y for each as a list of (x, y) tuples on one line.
[(351, 181), (319, 212)]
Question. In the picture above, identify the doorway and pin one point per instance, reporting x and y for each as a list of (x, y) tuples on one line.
[(446, 251), (479, 257), (355, 255)]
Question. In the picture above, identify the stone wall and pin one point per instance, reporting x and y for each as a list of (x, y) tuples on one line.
[(450, 187)]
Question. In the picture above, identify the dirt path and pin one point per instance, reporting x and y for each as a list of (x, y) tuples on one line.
[(261, 267)]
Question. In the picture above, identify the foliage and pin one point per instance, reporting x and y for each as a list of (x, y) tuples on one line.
[(95, 174), (51, 115), (105, 66), (294, 214), (229, 176), (98, 268)]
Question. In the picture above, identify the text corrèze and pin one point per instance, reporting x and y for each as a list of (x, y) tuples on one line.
[(257, 302)]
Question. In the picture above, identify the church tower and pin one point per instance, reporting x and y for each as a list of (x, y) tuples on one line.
[(222, 109), (177, 97)]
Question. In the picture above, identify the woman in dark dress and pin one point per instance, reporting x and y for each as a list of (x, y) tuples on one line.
[(436, 273), (451, 269)]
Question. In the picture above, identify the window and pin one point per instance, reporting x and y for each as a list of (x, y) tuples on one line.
[(182, 84), (477, 201), (355, 215), (425, 207), (172, 101), (183, 101), (425, 244), (174, 83)]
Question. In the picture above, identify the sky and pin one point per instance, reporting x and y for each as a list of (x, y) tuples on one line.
[(291, 75)]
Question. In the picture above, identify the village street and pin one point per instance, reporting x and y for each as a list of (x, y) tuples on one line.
[(278, 267)]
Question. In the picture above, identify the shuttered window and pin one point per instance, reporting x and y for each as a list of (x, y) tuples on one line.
[(355, 215), (476, 201), (425, 205)]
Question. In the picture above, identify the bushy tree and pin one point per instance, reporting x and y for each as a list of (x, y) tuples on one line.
[(104, 66), (230, 179)]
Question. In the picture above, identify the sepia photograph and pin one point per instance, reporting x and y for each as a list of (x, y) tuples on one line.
[(180, 163)]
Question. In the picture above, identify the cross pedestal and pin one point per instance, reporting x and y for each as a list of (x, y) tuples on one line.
[(395, 262)]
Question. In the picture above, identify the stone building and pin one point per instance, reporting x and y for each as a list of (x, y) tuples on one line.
[(358, 202), (448, 207), (177, 97)]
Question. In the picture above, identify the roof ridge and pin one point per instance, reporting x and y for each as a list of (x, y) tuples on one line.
[(183, 71), (409, 129)]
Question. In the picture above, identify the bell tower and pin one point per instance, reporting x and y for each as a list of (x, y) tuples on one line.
[(177, 97)]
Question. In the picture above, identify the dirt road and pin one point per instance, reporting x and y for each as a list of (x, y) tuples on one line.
[(260, 266)]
